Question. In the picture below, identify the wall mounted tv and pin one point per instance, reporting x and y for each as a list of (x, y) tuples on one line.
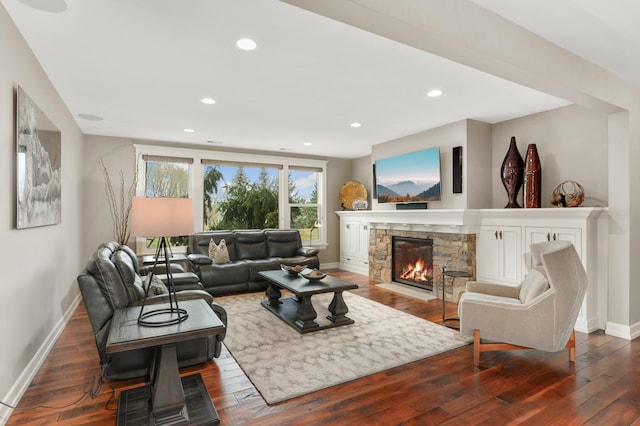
[(409, 178)]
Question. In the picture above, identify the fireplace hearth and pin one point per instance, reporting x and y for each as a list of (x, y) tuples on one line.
[(412, 261)]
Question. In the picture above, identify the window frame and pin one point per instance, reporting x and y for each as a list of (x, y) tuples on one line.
[(196, 181)]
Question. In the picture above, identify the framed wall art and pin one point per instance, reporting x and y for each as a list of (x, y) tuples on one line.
[(38, 166)]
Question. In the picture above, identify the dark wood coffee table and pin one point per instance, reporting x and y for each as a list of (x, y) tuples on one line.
[(168, 399), (299, 311)]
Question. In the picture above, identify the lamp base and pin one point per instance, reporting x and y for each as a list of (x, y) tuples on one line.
[(172, 316), (167, 315)]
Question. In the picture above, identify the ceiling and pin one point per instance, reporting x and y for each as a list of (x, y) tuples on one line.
[(143, 66)]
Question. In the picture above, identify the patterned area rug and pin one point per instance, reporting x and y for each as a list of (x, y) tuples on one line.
[(283, 364)]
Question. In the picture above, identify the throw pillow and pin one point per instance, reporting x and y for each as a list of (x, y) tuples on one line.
[(533, 285), (218, 253), (155, 285)]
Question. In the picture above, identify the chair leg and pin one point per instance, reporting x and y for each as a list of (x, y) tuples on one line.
[(476, 348), (571, 345)]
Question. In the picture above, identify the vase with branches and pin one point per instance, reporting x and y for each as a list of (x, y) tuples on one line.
[(120, 201)]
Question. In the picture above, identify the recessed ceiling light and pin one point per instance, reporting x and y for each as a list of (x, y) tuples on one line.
[(208, 101), (355, 124), (189, 130), (246, 44), (54, 6), (308, 144), (90, 117), (434, 93)]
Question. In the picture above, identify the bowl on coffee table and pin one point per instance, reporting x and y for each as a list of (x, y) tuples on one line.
[(314, 275), (293, 270)]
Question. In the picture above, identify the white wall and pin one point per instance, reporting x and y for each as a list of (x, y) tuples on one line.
[(474, 137), (39, 265), (572, 145)]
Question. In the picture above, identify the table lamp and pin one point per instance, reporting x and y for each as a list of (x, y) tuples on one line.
[(162, 217)]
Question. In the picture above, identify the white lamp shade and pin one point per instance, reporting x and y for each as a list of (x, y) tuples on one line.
[(161, 217)]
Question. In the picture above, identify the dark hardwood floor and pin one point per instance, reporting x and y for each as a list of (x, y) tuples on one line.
[(523, 387)]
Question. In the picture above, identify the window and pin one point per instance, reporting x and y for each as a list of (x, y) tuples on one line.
[(303, 202), (240, 196), (238, 190)]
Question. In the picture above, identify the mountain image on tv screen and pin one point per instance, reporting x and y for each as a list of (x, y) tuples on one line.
[(411, 177)]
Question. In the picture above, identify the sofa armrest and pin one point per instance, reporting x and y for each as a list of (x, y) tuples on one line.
[(199, 259), (180, 295), (161, 268), (307, 251)]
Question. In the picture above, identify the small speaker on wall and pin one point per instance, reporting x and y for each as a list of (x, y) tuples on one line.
[(374, 193), (457, 170)]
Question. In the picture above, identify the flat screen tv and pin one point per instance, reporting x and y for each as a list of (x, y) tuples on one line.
[(409, 178)]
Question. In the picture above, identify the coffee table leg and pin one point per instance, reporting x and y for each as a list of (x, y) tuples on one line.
[(306, 314), (338, 309), (273, 293)]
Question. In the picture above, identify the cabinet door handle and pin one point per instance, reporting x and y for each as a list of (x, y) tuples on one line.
[(496, 235), (554, 236), (548, 236), (500, 234)]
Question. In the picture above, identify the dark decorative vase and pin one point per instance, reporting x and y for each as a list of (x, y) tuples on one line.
[(511, 173), (532, 178)]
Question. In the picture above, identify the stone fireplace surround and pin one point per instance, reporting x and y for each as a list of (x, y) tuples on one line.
[(457, 251), (453, 232)]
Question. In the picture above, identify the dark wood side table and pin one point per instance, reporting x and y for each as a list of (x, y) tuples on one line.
[(453, 275), (168, 399)]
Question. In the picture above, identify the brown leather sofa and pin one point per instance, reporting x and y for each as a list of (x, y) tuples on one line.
[(112, 280), (250, 251)]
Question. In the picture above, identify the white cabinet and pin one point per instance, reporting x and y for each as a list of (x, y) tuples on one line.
[(354, 246), (539, 234), (584, 227), (499, 254)]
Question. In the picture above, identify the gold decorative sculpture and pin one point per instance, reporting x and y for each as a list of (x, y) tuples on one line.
[(350, 192)]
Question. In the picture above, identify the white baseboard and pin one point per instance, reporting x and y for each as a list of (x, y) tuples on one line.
[(24, 380), (330, 265), (623, 331)]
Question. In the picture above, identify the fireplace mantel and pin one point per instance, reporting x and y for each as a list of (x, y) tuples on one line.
[(449, 220), (464, 220)]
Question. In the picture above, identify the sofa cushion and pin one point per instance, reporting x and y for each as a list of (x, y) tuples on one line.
[(108, 278), (282, 242), (226, 273), (218, 252), (199, 242), (259, 265), (250, 244), (131, 280), (533, 285)]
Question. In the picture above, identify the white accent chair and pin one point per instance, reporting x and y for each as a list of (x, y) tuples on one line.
[(540, 313)]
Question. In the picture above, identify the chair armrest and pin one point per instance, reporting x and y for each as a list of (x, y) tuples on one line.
[(493, 289), (161, 268), (307, 251), (199, 259), (180, 295)]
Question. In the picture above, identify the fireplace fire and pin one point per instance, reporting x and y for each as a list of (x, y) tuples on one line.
[(412, 261)]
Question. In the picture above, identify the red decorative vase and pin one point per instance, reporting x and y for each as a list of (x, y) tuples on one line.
[(511, 173), (532, 178)]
